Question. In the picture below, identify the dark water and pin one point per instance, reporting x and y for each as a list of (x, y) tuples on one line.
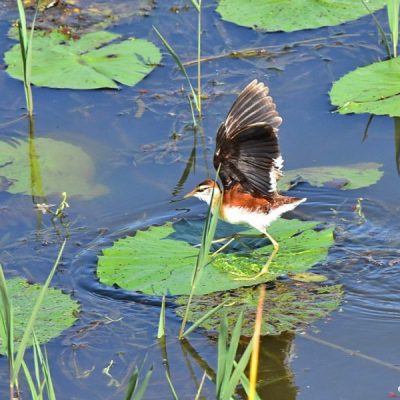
[(354, 354)]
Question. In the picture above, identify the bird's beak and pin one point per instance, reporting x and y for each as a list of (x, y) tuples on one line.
[(190, 194)]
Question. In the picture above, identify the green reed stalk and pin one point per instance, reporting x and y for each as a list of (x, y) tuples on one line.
[(196, 97), (25, 43), (203, 257), (393, 18), (161, 322)]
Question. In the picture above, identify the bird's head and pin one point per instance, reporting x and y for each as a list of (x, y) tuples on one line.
[(204, 191)]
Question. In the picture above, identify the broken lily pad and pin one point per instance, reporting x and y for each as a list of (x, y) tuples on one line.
[(58, 166), (94, 60), (160, 260), (373, 89), (57, 313), (354, 176), (283, 15), (288, 306)]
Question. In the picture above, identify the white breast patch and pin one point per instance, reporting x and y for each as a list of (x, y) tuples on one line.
[(257, 219)]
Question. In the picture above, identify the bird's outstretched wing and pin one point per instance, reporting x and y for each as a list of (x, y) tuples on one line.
[(247, 148)]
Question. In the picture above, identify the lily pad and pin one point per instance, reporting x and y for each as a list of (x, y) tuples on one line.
[(289, 306), (94, 60), (283, 15), (160, 260), (57, 313), (372, 89), (59, 166), (354, 176)]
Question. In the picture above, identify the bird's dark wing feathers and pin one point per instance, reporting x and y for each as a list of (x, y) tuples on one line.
[(247, 144)]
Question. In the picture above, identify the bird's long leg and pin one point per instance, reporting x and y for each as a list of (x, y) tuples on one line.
[(265, 268)]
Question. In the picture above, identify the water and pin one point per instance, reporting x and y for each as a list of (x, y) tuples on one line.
[(140, 142)]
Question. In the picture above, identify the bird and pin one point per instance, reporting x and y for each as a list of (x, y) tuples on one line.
[(249, 164)]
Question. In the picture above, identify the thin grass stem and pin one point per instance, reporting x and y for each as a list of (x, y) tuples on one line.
[(180, 65)]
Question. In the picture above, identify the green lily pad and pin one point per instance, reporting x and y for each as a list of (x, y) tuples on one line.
[(160, 260), (57, 313), (372, 89), (93, 61), (58, 166), (289, 306), (294, 15), (346, 177)]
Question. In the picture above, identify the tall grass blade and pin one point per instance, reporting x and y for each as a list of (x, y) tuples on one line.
[(29, 327), (228, 385), (132, 384), (180, 65), (134, 390), (144, 384), (234, 380), (161, 322), (29, 380), (205, 317), (393, 17), (203, 257), (7, 330), (196, 4)]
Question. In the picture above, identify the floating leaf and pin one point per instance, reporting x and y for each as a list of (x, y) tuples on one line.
[(161, 259), (288, 306), (58, 311), (63, 167), (90, 62), (352, 176), (293, 15), (372, 89)]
